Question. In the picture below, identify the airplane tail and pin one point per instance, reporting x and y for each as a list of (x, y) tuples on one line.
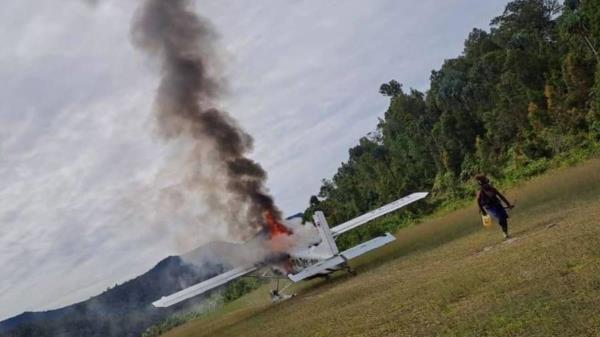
[(327, 247)]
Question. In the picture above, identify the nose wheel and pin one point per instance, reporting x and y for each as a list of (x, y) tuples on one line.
[(277, 294)]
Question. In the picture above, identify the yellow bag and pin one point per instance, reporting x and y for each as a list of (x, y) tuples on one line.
[(487, 220)]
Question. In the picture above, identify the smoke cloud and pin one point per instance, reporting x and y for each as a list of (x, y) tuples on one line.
[(216, 168)]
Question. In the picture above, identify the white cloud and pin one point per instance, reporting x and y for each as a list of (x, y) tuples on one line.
[(78, 158)]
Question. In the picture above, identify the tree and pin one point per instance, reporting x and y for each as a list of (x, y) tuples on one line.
[(519, 94), (314, 201), (391, 89), (575, 23)]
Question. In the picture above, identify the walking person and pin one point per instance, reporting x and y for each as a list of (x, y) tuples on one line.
[(489, 200)]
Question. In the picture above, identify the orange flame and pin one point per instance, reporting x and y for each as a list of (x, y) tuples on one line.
[(276, 228), (278, 233)]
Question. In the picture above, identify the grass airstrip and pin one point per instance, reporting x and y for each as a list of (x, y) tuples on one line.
[(448, 276)]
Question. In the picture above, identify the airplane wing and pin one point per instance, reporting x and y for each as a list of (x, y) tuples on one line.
[(334, 261), (351, 224), (204, 286)]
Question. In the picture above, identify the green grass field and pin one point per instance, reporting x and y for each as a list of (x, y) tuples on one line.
[(448, 276)]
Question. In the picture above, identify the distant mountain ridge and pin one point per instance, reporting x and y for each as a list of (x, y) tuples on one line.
[(126, 310)]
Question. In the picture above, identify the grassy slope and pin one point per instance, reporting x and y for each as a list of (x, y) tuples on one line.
[(450, 277)]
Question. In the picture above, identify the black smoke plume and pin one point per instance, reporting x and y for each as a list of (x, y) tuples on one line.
[(185, 104)]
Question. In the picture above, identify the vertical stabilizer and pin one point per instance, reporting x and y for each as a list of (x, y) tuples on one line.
[(327, 247)]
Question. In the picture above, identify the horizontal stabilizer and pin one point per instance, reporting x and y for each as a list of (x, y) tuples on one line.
[(351, 224), (331, 263), (203, 286)]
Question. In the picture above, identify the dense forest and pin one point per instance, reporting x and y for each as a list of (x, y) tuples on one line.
[(521, 98)]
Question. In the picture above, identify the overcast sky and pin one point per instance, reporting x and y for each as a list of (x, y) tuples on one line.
[(81, 166)]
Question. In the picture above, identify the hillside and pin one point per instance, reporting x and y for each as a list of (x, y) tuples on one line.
[(521, 98), (450, 277), (125, 310)]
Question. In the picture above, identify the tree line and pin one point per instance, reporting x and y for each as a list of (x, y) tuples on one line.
[(520, 97)]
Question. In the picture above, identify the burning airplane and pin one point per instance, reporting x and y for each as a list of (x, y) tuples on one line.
[(299, 256), (217, 170)]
